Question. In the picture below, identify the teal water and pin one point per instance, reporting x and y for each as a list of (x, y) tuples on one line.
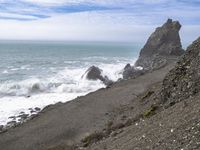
[(24, 59), (36, 74)]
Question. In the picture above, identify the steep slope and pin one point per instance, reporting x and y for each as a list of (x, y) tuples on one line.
[(184, 80), (176, 126)]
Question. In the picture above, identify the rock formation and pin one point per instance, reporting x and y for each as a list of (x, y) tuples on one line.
[(183, 81), (132, 72), (94, 73), (163, 43)]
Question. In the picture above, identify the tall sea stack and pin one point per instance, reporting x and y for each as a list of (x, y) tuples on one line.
[(162, 44)]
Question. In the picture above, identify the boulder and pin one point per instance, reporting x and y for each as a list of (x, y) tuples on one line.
[(163, 43), (132, 72), (94, 73), (183, 81)]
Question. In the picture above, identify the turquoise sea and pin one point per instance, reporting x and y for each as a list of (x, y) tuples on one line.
[(36, 74)]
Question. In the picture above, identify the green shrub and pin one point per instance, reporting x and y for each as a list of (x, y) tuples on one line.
[(150, 111), (92, 138)]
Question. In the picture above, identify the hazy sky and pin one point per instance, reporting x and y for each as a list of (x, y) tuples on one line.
[(101, 20)]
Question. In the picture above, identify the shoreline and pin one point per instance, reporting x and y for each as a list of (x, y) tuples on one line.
[(77, 118), (93, 121)]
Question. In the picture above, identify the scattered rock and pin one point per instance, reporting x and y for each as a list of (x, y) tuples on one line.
[(37, 109), (132, 72), (113, 134), (23, 116), (12, 117), (183, 81), (22, 112), (1, 128), (32, 111), (11, 124)]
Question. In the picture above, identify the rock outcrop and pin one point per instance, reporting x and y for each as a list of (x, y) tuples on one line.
[(162, 44), (132, 72), (184, 80), (94, 73)]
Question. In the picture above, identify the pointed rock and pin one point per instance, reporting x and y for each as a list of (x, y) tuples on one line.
[(162, 44)]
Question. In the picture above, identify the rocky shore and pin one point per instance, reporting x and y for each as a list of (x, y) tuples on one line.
[(156, 106)]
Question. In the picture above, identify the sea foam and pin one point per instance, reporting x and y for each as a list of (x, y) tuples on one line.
[(65, 85)]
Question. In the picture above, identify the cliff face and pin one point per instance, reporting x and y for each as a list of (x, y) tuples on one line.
[(163, 43), (183, 81)]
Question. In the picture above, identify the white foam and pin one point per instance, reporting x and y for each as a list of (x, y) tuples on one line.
[(63, 86), (5, 72)]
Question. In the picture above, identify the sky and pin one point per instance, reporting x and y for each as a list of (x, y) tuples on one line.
[(95, 20)]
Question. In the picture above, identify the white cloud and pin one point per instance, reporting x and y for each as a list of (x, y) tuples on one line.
[(86, 26), (18, 16), (134, 22)]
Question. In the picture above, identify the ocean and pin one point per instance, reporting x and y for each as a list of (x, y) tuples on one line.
[(37, 74)]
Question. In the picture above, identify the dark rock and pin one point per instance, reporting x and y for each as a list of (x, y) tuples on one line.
[(1, 128), (94, 73), (183, 81), (22, 112), (32, 111), (23, 116), (37, 109), (163, 43), (132, 72), (11, 124), (12, 117)]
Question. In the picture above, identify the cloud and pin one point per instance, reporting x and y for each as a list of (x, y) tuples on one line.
[(116, 20), (151, 11)]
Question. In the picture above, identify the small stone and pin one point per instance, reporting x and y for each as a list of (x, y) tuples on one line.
[(23, 116), (113, 134), (37, 109), (11, 123), (12, 117), (32, 111), (1, 128)]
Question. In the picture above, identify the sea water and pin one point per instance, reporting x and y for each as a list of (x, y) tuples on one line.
[(37, 74)]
